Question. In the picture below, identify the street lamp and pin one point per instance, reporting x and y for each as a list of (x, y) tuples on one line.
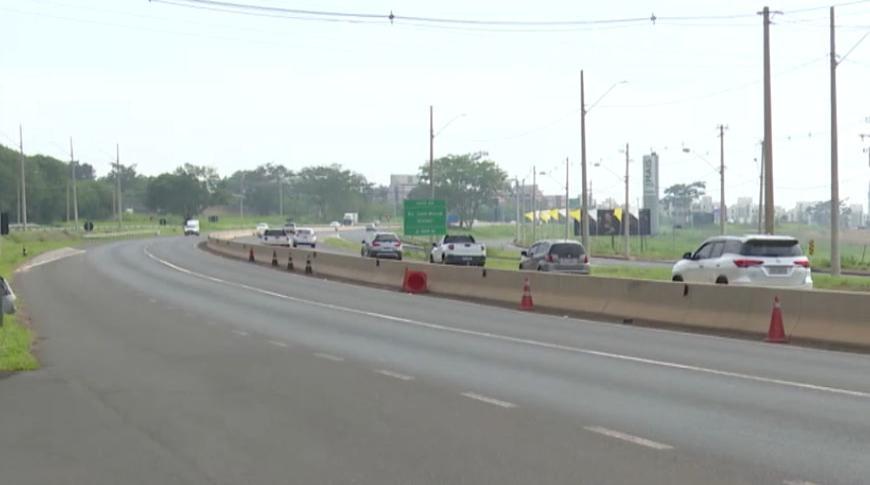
[(584, 204), (432, 136)]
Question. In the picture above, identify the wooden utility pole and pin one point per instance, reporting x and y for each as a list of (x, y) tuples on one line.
[(75, 195), (626, 213), (23, 177), (835, 182), (723, 210), (567, 205), (118, 182), (431, 154), (769, 208), (584, 203)]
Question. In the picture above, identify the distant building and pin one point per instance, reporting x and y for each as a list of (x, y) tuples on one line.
[(552, 202), (856, 216), (401, 186), (651, 189), (705, 204), (742, 212)]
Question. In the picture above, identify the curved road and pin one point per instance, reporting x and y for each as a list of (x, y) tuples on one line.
[(165, 364)]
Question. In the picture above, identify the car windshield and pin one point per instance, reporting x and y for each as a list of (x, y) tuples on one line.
[(275, 232), (462, 238), (386, 238), (567, 250), (771, 248)]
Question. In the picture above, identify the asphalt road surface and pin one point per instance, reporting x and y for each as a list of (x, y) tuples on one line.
[(165, 364)]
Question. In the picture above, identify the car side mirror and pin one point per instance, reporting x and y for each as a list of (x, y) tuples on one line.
[(687, 255), (524, 254)]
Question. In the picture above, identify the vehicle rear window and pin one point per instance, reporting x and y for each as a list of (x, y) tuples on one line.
[(773, 248), (462, 238), (303, 232), (564, 250), (275, 232), (386, 238)]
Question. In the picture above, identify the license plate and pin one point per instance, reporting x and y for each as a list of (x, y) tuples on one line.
[(569, 261), (467, 258), (777, 270)]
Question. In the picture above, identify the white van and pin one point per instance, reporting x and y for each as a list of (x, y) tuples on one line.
[(191, 227)]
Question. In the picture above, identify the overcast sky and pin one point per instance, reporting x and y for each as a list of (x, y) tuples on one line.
[(175, 85)]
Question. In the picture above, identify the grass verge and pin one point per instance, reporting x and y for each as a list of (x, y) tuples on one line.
[(16, 339)]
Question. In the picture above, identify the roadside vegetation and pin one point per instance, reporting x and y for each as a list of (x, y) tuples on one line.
[(16, 338)]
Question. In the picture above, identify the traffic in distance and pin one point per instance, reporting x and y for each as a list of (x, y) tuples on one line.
[(755, 260)]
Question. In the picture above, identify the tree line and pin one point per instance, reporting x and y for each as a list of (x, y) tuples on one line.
[(470, 183)]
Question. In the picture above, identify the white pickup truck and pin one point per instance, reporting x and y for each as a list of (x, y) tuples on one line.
[(458, 249)]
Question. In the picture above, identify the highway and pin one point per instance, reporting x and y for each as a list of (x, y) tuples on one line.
[(163, 363)]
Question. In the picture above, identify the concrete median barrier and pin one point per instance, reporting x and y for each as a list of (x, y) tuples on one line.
[(831, 317)]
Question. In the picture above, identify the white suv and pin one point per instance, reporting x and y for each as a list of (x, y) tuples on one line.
[(748, 260)]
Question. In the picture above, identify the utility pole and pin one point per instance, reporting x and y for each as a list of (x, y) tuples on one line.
[(280, 196), (567, 205), (23, 177), (118, 181), (74, 184), (723, 210), (835, 182), (626, 213), (517, 190), (431, 154), (769, 212), (584, 203), (534, 203)]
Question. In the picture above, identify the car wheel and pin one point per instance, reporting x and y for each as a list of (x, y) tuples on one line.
[(721, 280), (677, 278), (431, 259), (540, 268), (443, 259), (362, 253), (399, 258), (294, 245), (313, 246)]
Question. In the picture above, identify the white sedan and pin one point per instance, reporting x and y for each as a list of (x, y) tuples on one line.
[(305, 237), (261, 229)]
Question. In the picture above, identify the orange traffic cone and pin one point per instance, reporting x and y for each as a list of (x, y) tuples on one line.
[(526, 302), (776, 333), (251, 255)]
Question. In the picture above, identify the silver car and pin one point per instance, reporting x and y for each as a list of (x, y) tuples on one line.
[(564, 256), (382, 245), (748, 260)]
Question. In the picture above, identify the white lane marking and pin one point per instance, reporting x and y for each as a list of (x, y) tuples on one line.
[(331, 357), (797, 482), (489, 400), (240, 333), (396, 375), (629, 438), (65, 254), (525, 341), (277, 343)]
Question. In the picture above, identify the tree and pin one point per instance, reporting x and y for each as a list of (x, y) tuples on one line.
[(331, 190), (679, 198), (178, 193), (466, 182)]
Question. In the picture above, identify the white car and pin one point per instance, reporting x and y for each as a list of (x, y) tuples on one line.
[(305, 237), (458, 249), (382, 245), (7, 299), (749, 260), (276, 237), (261, 229), (191, 227)]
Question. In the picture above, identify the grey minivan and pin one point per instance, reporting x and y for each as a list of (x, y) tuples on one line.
[(564, 256)]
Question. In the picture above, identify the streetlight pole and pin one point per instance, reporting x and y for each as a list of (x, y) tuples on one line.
[(534, 203), (23, 177), (584, 203), (626, 214), (75, 196), (769, 211), (723, 210), (567, 205), (835, 182), (431, 154)]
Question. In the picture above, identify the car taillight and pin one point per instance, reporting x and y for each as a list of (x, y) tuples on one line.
[(550, 258), (375, 243), (746, 263), (585, 259), (450, 247), (802, 262)]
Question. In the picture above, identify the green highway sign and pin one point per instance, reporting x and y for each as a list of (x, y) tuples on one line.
[(425, 217)]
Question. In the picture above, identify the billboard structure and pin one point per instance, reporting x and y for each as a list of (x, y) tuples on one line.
[(651, 189)]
